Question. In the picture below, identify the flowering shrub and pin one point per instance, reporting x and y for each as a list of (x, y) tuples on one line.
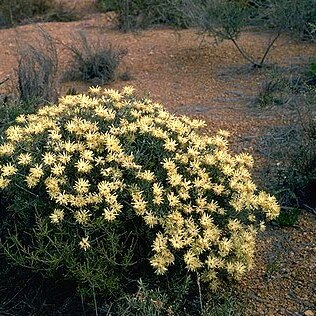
[(100, 183)]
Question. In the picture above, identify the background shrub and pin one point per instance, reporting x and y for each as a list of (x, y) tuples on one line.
[(225, 20), (144, 13), (15, 11), (95, 61), (311, 72), (290, 148), (37, 77), (23, 11), (293, 17), (107, 188)]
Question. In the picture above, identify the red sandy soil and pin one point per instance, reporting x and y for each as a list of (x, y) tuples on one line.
[(214, 83)]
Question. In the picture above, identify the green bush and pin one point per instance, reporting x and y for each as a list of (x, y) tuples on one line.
[(312, 72), (14, 11), (226, 19), (143, 13), (294, 17), (106, 188)]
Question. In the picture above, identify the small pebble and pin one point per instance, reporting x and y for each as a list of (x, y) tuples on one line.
[(309, 312)]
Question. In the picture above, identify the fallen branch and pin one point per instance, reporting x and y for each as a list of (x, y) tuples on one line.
[(4, 80)]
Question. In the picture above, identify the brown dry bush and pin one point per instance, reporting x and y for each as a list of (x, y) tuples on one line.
[(37, 78), (95, 61)]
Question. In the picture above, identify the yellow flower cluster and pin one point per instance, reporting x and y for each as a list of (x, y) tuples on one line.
[(100, 154)]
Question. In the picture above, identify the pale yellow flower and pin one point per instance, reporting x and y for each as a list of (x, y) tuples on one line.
[(14, 133), (128, 90), (173, 200), (218, 189), (8, 170), (113, 143), (83, 166), (174, 178), (170, 145), (64, 158), (223, 133), (114, 94), (4, 182), (52, 185), (82, 185), (24, 159), (84, 243), (32, 181), (105, 113), (55, 135), (87, 155), (95, 90), (58, 169), (192, 261), (82, 216), (37, 171), (49, 158), (234, 225), (69, 146), (225, 246), (109, 214), (57, 216), (214, 262), (146, 175), (63, 198), (21, 118), (6, 149), (150, 219)]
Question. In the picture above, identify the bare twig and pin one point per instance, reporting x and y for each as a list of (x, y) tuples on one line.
[(200, 291), (269, 47), (4, 80)]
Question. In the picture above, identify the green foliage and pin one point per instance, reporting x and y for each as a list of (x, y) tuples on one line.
[(94, 61), (106, 188), (295, 16), (145, 302), (11, 109), (276, 90), (141, 14), (225, 20), (222, 19), (222, 304), (109, 5), (311, 72), (14, 11), (288, 217), (290, 150)]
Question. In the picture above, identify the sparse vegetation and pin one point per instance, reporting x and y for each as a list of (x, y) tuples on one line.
[(94, 61), (37, 70), (276, 90), (225, 19), (14, 12), (291, 147), (311, 72), (140, 14)]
